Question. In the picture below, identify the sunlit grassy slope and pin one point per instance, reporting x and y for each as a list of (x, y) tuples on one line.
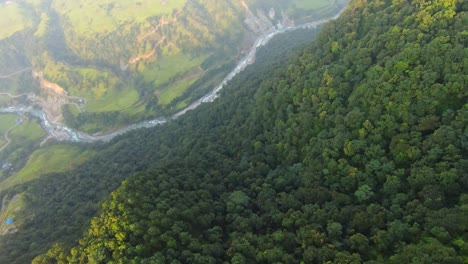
[(311, 4), (13, 19), (28, 131), (13, 209), (6, 121), (55, 158), (90, 16)]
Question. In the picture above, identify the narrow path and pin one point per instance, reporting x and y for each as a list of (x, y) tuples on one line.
[(14, 73), (15, 96), (8, 140)]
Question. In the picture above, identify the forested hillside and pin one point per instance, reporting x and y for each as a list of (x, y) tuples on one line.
[(51, 204), (355, 151)]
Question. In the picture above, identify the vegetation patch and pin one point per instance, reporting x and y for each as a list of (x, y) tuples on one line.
[(88, 16), (113, 101), (6, 122), (13, 19), (310, 5), (11, 214), (174, 91), (169, 67), (28, 131), (55, 158)]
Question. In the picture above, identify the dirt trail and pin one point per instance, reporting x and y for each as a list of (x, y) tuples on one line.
[(13, 74), (147, 55), (8, 140), (142, 57), (162, 23), (14, 96), (246, 7), (11, 228)]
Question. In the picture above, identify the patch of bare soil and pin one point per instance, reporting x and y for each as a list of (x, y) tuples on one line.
[(52, 99)]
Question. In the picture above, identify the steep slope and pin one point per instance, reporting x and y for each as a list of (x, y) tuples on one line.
[(356, 151)]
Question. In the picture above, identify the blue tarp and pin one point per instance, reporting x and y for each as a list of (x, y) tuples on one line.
[(9, 221)]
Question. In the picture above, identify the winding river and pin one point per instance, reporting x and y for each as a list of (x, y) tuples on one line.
[(63, 133)]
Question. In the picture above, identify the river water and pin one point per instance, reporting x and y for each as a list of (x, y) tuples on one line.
[(63, 133)]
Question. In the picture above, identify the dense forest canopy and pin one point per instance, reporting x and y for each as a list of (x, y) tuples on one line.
[(353, 151)]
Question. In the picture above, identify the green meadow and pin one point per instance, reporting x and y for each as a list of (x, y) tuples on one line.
[(167, 95), (172, 75), (49, 159), (13, 19), (113, 100), (6, 122), (312, 4), (22, 134), (169, 67), (27, 132), (12, 208), (90, 16)]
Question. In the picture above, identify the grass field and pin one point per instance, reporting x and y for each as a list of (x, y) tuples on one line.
[(100, 88), (170, 66), (13, 210), (55, 158), (90, 16), (177, 89), (114, 100), (163, 73), (22, 134), (43, 25), (29, 131), (6, 122), (24, 137), (312, 4), (13, 19)]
